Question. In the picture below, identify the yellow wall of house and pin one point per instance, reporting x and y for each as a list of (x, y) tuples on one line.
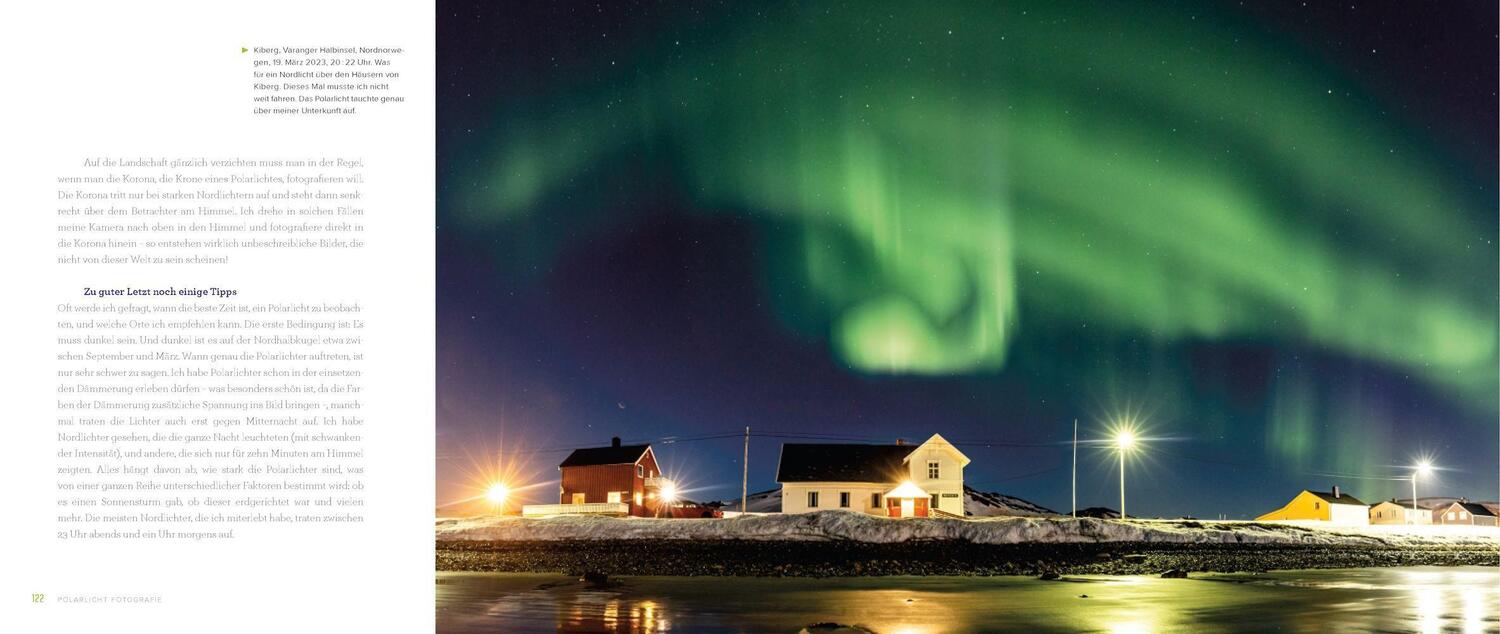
[(1388, 513), (1305, 506)]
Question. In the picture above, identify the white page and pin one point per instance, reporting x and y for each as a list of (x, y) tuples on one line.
[(102, 79)]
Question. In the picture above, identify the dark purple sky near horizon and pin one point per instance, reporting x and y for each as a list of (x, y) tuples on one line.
[(657, 322)]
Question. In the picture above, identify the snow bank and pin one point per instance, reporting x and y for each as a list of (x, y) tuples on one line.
[(848, 526)]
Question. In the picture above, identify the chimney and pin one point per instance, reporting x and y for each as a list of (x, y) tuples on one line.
[(614, 442), (1335, 490)]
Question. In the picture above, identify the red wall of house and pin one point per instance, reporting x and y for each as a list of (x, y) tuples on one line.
[(596, 481)]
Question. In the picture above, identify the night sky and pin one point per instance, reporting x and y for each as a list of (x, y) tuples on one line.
[(1264, 234)]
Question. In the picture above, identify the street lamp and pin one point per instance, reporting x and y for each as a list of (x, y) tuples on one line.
[(1423, 468), (497, 494), (1124, 441)]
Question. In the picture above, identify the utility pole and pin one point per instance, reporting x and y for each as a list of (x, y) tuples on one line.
[(1413, 498), (1075, 468), (745, 473)]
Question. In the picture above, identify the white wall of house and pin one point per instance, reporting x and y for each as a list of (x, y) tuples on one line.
[(794, 496), (1350, 514), (1419, 516), (949, 485)]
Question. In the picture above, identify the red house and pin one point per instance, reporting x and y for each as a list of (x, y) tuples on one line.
[(614, 480)]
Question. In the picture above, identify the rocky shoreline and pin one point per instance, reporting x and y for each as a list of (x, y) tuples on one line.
[(773, 558)]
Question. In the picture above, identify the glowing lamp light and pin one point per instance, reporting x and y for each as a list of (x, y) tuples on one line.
[(1125, 442), (1125, 439), (497, 493), (669, 493), (1424, 468)]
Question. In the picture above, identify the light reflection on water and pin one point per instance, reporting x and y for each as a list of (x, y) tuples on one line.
[(1356, 600)]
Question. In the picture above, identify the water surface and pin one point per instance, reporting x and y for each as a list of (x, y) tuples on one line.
[(1352, 600)]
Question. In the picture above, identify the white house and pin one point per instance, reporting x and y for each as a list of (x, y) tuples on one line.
[(900, 480)]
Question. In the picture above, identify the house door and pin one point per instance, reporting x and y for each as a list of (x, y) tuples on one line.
[(908, 508)]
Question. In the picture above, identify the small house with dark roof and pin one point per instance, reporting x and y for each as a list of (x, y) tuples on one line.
[(1393, 512), (900, 480), (616, 480), (1464, 512), (1334, 507)]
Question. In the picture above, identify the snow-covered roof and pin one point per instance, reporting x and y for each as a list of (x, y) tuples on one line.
[(906, 490)]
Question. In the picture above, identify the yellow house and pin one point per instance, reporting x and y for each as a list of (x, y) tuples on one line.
[(1333, 507), (1393, 512), (1389, 512)]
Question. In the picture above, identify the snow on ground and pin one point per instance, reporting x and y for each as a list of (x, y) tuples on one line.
[(849, 526)]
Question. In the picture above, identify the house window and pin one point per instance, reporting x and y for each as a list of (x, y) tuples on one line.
[(932, 470), (637, 497), (614, 497), (1450, 515), (1317, 505), (640, 471), (843, 499), (874, 500), (1463, 515), (812, 499), (578, 498), (934, 501)]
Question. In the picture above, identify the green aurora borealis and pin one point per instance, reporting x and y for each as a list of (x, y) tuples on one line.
[(927, 175)]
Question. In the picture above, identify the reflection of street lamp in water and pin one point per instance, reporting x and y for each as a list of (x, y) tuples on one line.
[(1124, 441), (1423, 468)]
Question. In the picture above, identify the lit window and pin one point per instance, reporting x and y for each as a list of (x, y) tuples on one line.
[(932, 470), (812, 499), (614, 497), (637, 498), (843, 499)]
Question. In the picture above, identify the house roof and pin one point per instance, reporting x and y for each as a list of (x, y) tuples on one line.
[(842, 463), (593, 456), (1341, 499), (1474, 508)]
